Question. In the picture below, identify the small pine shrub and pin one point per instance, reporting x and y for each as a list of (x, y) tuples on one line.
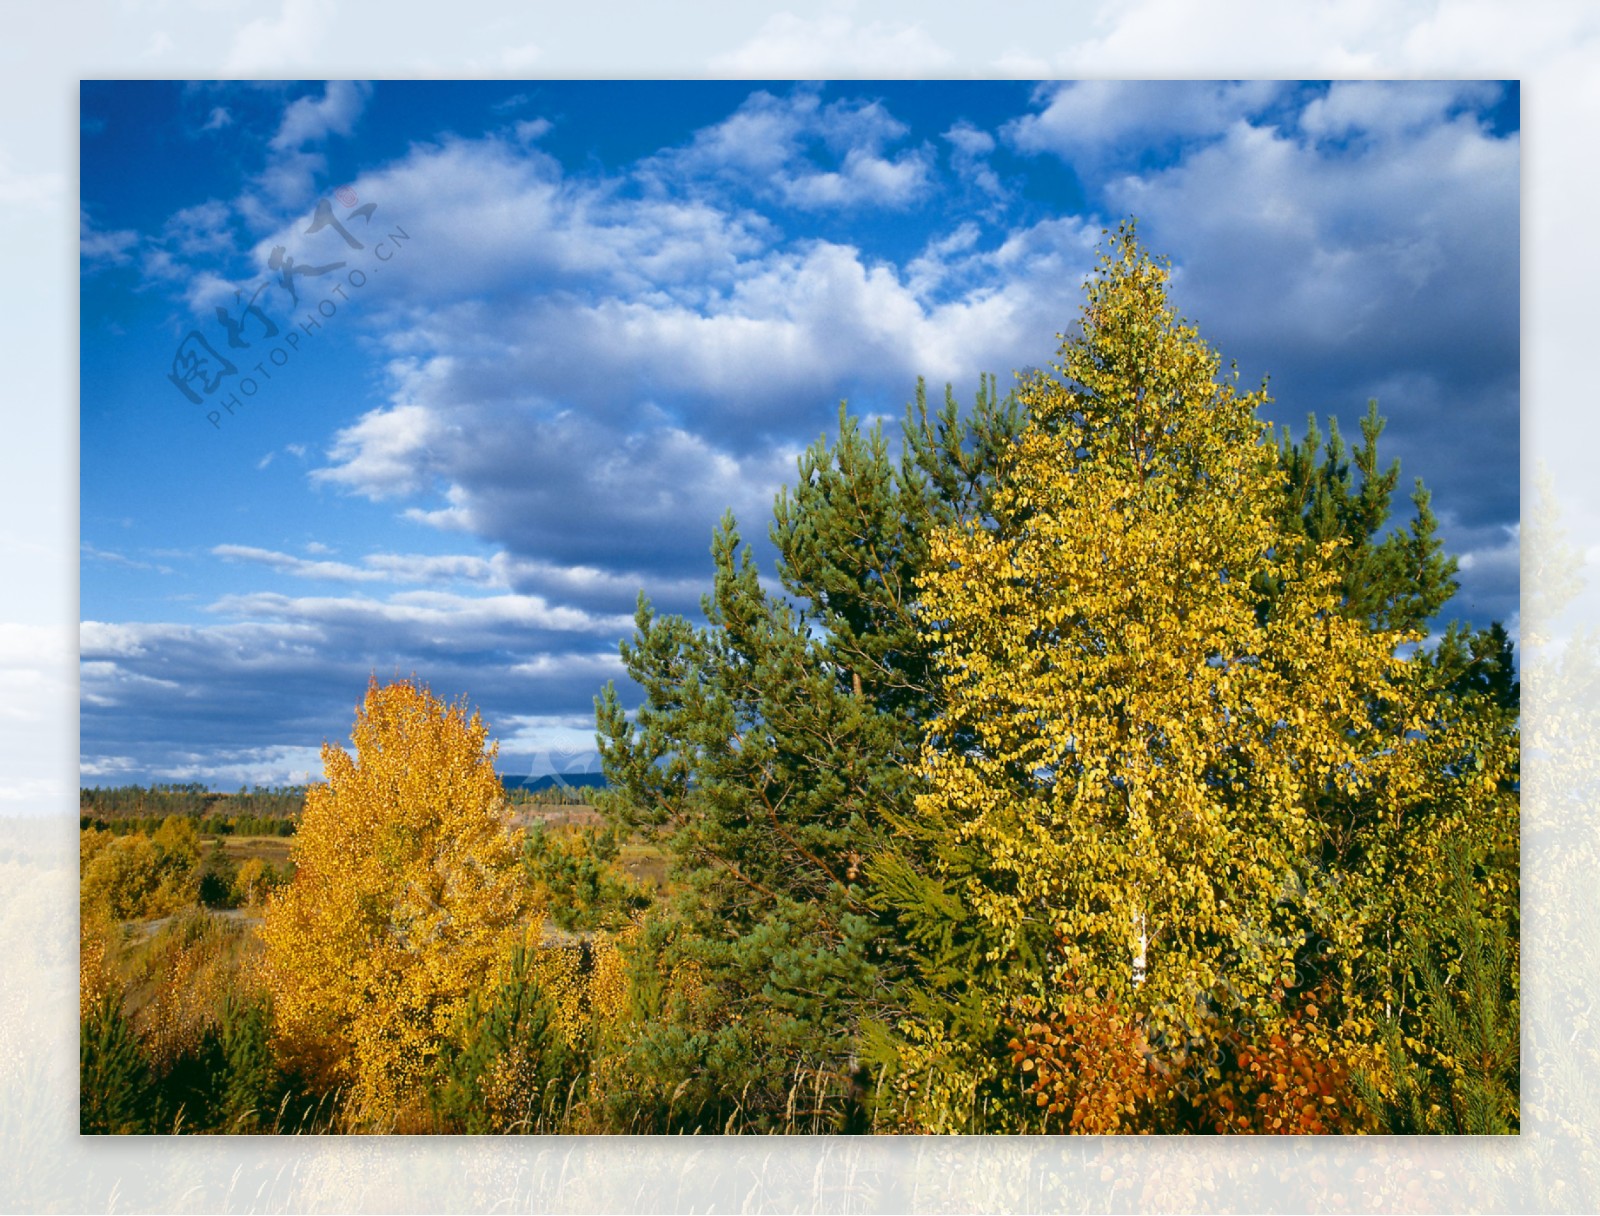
[(114, 1089), (509, 1063)]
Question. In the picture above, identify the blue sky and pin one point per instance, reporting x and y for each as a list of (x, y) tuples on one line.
[(585, 318)]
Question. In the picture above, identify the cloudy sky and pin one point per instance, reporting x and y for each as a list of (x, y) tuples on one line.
[(433, 377)]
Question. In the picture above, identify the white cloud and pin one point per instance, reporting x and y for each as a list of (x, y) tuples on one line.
[(289, 179), (833, 45), (1375, 245), (98, 247), (312, 119), (93, 553), (271, 46), (286, 563), (703, 321), (863, 178), (427, 616), (1388, 109), (399, 568), (763, 147), (970, 149), (206, 228), (384, 454), (1092, 120)]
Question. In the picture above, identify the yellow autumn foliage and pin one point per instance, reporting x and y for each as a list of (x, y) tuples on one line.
[(1136, 747), (408, 895)]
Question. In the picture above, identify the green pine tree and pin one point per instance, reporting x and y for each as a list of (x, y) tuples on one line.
[(507, 1068), (252, 1085), (777, 745), (114, 1083), (1454, 1057), (1397, 580)]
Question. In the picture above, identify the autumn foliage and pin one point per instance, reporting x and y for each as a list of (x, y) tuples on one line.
[(408, 897), (1087, 1069), (1092, 774)]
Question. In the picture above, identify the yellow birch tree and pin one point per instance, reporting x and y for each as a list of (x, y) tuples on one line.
[(1137, 746)]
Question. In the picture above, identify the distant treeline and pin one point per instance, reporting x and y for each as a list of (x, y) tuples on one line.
[(260, 811), (263, 810), (573, 789)]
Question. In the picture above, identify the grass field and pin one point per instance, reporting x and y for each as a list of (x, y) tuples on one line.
[(644, 862), (272, 849)]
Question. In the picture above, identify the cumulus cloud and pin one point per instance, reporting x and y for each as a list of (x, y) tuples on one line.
[(532, 129), (289, 179), (769, 144), (206, 228), (1389, 108), (1106, 120), (969, 156), (657, 415), (312, 119), (1361, 271)]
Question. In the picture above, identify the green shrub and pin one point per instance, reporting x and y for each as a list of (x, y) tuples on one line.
[(114, 1091), (508, 1068)]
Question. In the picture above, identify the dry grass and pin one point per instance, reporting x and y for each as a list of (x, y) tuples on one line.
[(645, 863), (272, 849), (557, 815)]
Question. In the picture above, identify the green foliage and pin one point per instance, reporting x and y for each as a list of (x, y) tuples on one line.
[(507, 1066), (218, 878), (577, 875), (1396, 582), (250, 812), (776, 744), (113, 1074), (1453, 1065), (252, 1084)]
